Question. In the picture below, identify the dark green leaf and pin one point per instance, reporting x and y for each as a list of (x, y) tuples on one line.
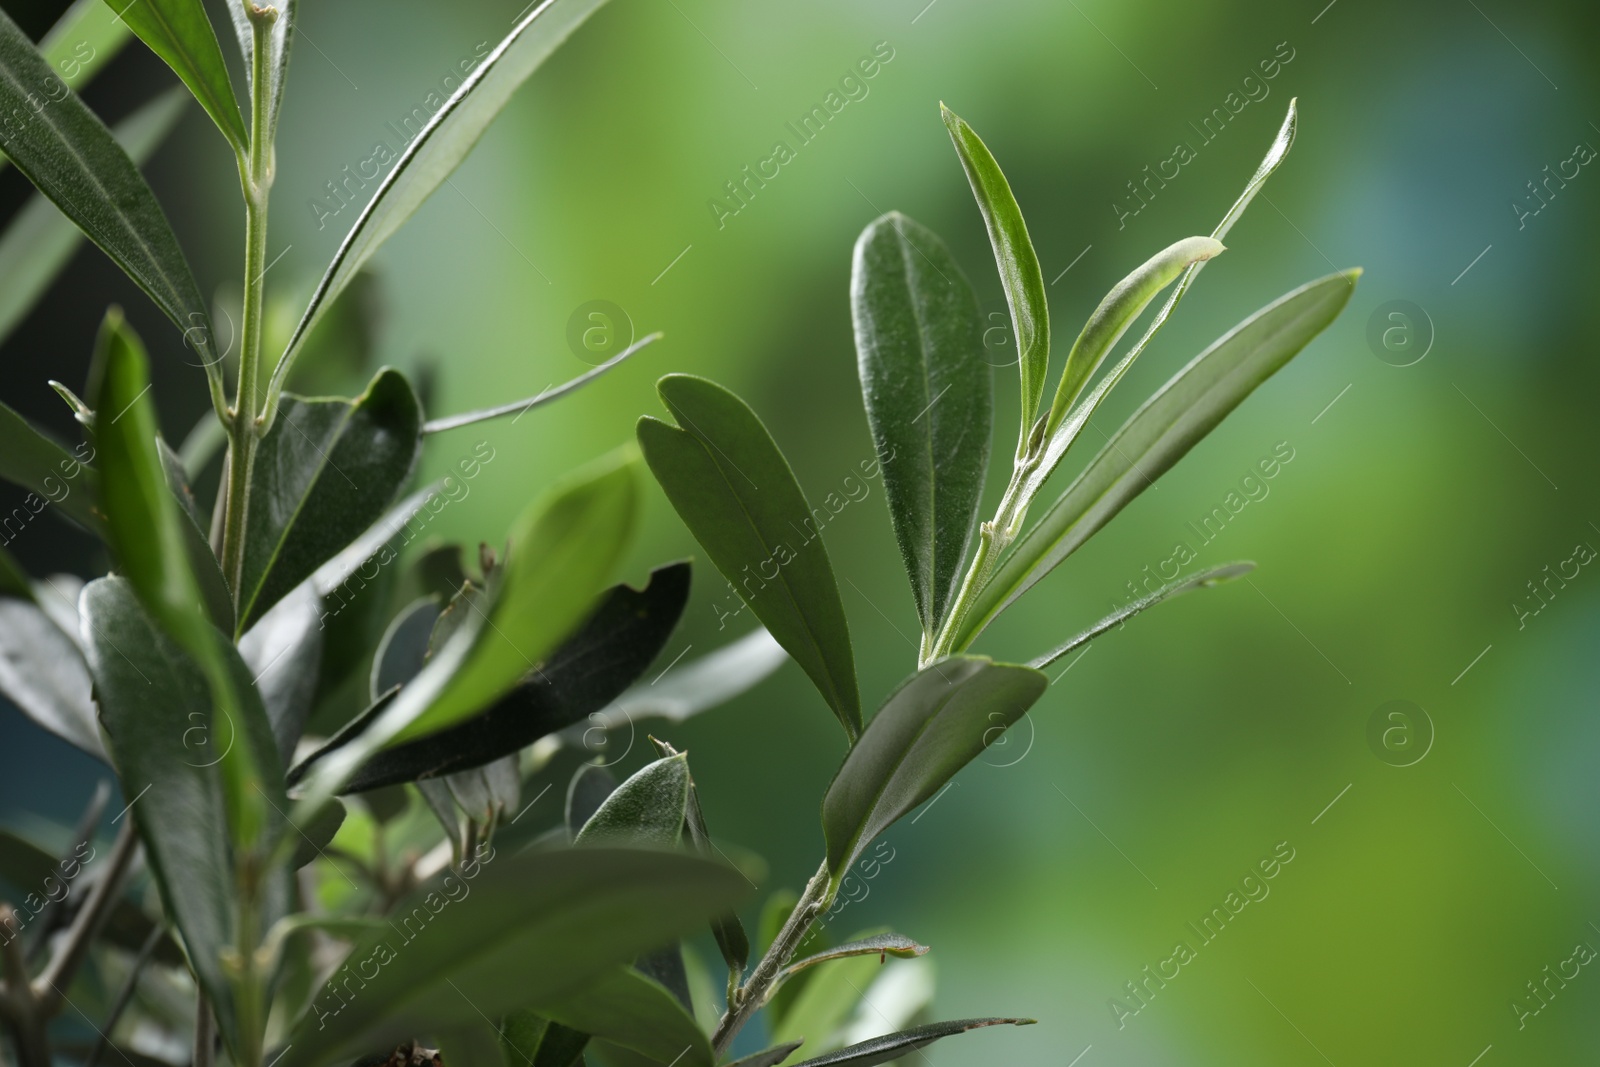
[(30, 459), (1018, 263), (314, 838), (877, 945), (43, 672), (169, 749), (326, 471), (1204, 580), (768, 1057), (731, 486), (647, 809), (937, 722), (531, 1040), (403, 651), (276, 62), (202, 561), (488, 793), (1160, 433), (894, 1046), (40, 240), (590, 786), (615, 645), (284, 653), (919, 353), (69, 154), (179, 32), (436, 151), (636, 1012), (540, 927)]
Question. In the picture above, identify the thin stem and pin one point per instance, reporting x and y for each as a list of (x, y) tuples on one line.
[(87, 923), (125, 994), (205, 1035), (747, 999), (21, 1006)]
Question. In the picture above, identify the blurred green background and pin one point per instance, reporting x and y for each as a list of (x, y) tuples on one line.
[(1177, 752)]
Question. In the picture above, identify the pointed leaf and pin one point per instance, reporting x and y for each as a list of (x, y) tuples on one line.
[(896, 945), (276, 62), (700, 684), (938, 721), (1014, 255), (562, 550), (769, 1057), (43, 672), (541, 926), (919, 353), (1204, 580), (731, 486), (442, 144), (727, 930), (69, 154), (179, 32), (325, 472), (168, 748), (637, 1012), (1161, 432), (894, 1046), (531, 1040), (615, 645), (40, 240), (647, 809), (30, 459)]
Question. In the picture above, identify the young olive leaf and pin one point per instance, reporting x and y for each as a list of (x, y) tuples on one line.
[(637, 1012), (324, 473), (172, 753), (563, 548), (64, 150), (518, 407), (529, 1038), (590, 785), (439, 148), (934, 724), (275, 64), (35, 462), (896, 945), (729, 483), (892, 1047), (180, 33), (145, 528), (647, 809), (39, 242), (43, 672), (768, 1057), (1160, 433), (1020, 275), (1117, 311), (541, 926), (919, 348), (1204, 580), (698, 685), (616, 643)]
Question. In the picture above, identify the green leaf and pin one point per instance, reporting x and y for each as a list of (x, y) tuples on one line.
[(768, 1057), (169, 749), (276, 61), (1124, 303), (1019, 264), (202, 561), (1227, 572), (822, 1007), (1160, 433), (39, 242), (563, 548), (43, 673), (590, 785), (894, 1046), (531, 1040), (731, 486), (636, 1012), (284, 653), (30, 459), (896, 945), (700, 684), (67, 152), (509, 932), (919, 352), (84, 39), (937, 722), (433, 155), (647, 809), (13, 579), (316, 837), (403, 650), (180, 33), (326, 471)]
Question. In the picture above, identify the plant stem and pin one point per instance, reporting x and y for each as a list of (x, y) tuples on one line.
[(244, 432), (204, 1034), (48, 990), (21, 1006), (749, 997)]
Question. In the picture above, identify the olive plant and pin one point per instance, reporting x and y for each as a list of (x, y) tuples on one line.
[(323, 739)]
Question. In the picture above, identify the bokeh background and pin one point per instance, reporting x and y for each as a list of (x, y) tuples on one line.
[(1176, 753)]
